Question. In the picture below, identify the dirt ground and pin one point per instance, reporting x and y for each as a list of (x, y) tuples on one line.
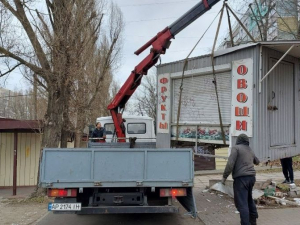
[(21, 212), (296, 163)]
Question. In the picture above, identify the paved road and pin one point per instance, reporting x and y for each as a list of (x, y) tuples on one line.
[(117, 219)]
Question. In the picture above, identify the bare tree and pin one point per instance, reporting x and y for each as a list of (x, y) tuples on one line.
[(267, 20), (145, 99), (20, 105), (95, 77), (55, 45)]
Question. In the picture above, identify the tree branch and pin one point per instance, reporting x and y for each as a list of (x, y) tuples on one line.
[(50, 9), (22, 61), (9, 7), (45, 28), (105, 70), (10, 70), (43, 22), (21, 16)]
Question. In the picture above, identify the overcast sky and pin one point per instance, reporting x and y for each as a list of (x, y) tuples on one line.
[(143, 20)]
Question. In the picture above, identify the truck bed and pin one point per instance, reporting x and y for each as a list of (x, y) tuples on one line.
[(116, 167)]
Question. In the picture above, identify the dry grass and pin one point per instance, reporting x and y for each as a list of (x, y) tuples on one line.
[(276, 163)]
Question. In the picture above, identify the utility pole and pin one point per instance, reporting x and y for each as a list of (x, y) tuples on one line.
[(8, 106), (35, 96)]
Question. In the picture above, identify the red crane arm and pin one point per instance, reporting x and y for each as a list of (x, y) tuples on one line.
[(159, 44)]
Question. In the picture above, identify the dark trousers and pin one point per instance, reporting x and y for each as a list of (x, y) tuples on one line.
[(242, 187), (287, 168)]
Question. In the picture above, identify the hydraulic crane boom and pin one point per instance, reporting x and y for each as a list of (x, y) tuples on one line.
[(159, 43)]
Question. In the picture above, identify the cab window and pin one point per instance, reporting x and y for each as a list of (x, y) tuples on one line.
[(110, 128), (136, 128)]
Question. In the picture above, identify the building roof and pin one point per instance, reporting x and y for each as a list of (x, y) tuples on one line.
[(281, 46), (12, 124)]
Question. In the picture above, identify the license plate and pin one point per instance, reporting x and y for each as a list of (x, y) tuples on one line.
[(64, 206)]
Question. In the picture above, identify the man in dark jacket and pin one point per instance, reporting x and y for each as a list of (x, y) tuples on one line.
[(99, 132), (241, 164)]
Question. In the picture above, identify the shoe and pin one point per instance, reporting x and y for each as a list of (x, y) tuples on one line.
[(253, 220), (286, 181), (292, 182)]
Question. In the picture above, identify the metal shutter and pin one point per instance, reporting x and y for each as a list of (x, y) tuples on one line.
[(199, 102)]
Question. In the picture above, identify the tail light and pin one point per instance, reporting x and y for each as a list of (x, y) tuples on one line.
[(62, 192), (172, 192)]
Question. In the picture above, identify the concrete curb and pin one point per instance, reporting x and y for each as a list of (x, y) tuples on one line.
[(41, 218)]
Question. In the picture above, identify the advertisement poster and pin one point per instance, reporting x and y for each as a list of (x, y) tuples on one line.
[(164, 103), (242, 98)]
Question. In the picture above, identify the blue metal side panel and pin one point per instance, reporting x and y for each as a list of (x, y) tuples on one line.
[(162, 166), (111, 167), (65, 166), (119, 165)]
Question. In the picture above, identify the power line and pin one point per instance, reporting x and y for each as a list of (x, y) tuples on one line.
[(182, 50), (13, 96), (149, 36), (136, 21), (156, 3), (166, 18)]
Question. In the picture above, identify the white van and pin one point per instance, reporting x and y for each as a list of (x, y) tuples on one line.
[(141, 127)]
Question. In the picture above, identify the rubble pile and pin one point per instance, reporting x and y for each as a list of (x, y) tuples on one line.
[(266, 193)]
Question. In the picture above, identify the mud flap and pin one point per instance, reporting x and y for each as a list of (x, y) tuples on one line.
[(188, 202)]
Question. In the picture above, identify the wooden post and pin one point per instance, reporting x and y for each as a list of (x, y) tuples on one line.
[(15, 163)]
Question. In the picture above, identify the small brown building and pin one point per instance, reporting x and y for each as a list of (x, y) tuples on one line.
[(25, 137)]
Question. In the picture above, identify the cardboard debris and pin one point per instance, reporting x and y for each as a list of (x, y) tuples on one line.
[(229, 190), (223, 188), (284, 201), (297, 200), (256, 194)]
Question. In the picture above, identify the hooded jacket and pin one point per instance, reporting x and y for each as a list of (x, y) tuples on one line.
[(241, 160)]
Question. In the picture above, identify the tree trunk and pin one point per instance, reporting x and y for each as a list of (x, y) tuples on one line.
[(81, 114), (52, 125), (53, 120), (78, 135), (64, 138), (66, 128)]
